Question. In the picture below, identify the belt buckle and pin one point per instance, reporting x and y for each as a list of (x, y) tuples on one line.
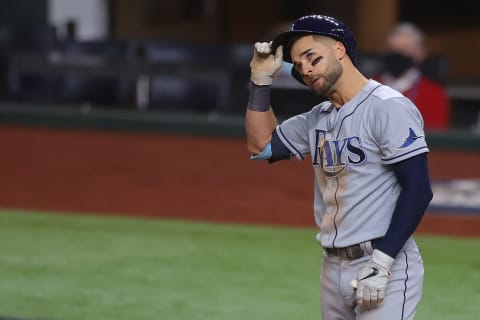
[(342, 253), (345, 253), (349, 253)]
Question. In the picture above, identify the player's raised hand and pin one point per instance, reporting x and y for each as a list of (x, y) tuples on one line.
[(264, 63), (372, 279)]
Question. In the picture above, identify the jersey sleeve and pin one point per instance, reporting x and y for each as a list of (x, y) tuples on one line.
[(293, 133), (398, 130)]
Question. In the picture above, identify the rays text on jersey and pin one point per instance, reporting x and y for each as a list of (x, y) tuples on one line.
[(333, 155)]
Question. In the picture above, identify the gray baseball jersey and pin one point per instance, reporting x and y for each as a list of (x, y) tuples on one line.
[(350, 148)]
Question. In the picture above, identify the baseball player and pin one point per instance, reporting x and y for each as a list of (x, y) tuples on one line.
[(368, 152)]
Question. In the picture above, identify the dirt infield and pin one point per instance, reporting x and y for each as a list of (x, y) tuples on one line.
[(197, 178)]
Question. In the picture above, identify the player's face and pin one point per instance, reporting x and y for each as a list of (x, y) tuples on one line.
[(314, 59)]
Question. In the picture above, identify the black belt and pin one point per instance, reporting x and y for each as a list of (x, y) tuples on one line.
[(352, 252)]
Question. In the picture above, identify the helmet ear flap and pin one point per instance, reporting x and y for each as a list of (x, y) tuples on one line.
[(297, 75)]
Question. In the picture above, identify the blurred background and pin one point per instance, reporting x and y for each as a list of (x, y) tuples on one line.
[(192, 56), (136, 108)]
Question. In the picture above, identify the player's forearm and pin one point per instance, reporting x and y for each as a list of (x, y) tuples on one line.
[(259, 127), (260, 120), (413, 200)]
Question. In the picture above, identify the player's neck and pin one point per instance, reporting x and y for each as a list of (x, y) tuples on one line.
[(347, 87)]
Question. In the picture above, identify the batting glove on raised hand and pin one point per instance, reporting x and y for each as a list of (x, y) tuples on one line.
[(372, 279), (264, 64)]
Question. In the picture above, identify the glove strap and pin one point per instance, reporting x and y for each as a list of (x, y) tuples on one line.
[(259, 99), (383, 260)]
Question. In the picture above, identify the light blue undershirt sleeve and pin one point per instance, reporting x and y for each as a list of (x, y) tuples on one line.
[(264, 155)]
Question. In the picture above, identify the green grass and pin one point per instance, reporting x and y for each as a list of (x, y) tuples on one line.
[(452, 278), (60, 266)]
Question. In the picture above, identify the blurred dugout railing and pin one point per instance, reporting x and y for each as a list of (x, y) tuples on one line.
[(144, 74), (165, 75)]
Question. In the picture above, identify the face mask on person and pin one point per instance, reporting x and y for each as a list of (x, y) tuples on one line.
[(396, 64)]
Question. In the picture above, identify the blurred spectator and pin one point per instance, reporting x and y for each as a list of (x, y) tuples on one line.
[(405, 54)]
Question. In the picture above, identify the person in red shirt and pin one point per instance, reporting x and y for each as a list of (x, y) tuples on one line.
[(405, 54)]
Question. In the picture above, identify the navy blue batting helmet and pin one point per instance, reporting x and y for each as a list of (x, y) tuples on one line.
[(316, 24)]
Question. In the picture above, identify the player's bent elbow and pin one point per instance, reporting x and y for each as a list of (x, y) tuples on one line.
[(253, 148), (256, 146), (256, 141)]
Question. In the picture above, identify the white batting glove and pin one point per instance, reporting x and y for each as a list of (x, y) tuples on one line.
[(264, 64), (372, 279)]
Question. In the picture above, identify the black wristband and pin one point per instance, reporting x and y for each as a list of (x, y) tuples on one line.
[(259, 99)]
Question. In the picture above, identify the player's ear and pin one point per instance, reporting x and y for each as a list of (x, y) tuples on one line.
[(340, 50)]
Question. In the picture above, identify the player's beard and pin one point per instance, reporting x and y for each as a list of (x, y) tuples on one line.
[(333, 72)]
